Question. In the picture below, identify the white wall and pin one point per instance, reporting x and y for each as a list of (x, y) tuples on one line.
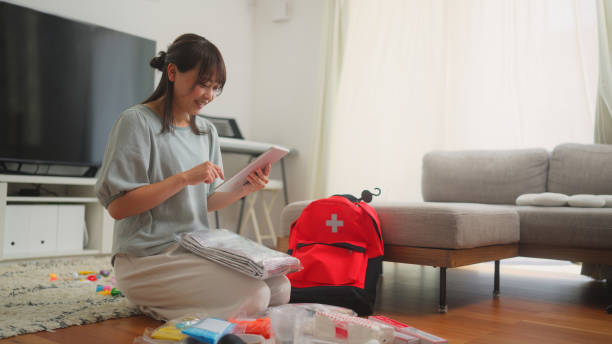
[(287, 80), (286, 83)]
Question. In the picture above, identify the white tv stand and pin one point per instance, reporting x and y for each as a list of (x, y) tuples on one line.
[(69, 190)]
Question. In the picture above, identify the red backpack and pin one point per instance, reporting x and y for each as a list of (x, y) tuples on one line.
[(339, 243)]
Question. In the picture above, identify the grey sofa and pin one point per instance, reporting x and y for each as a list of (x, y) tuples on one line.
[(469, 214)]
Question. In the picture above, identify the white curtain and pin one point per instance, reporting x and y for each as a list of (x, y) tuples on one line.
[(336, 13), (603, 113), (456, 74)]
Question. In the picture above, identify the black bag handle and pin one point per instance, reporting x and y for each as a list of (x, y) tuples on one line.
[(366, 196)]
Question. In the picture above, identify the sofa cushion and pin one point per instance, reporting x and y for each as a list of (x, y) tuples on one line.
[(436, 225), (526, 199), (586, 201), (493, 177), (581, 169), (447, 225), (566, 226), (549, 199)]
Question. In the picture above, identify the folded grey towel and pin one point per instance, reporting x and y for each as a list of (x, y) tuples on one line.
[(239, 253)]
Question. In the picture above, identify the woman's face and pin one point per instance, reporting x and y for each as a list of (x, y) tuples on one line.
[(191, 94)]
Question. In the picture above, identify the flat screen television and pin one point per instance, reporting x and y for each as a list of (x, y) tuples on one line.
[(63, 83)]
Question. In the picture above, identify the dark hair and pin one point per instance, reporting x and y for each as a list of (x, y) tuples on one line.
[(186, 52)]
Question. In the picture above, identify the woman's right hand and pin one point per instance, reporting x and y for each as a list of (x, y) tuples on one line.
[(147, 197), (203, 173)]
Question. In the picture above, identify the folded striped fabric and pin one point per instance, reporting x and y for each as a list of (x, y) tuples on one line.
[(239, 253)]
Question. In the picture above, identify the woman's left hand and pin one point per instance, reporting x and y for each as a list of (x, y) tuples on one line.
[(257, 180)]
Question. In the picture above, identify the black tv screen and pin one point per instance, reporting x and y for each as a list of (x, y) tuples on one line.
[(63, 84)]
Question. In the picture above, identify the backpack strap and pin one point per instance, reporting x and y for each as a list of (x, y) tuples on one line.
[(372, 213), (291, 237), (349, 197)]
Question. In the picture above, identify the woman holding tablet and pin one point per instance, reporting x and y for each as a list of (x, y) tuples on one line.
[(161, 166)]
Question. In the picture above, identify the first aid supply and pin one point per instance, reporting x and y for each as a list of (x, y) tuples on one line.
[(424, 337), (330, 326), (209, 330)]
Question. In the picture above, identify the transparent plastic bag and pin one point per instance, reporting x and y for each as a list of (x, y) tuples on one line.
[(294, 322), (342, 328), (259, 326), (209, 330), (169, 332)]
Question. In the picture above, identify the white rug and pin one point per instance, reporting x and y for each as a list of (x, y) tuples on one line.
[(30, 302)]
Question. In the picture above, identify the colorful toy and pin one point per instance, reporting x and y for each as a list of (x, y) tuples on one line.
[(100, 288), (92, 278), (107, 290), (105, 273), (52, 277), (86, 272)]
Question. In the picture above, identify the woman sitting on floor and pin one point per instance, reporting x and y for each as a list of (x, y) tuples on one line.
[(161, 166)]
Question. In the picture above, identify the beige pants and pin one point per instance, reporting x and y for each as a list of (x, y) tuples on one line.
[(177, 283)]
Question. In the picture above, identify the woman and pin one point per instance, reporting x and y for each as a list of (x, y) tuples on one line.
[(161, 166)]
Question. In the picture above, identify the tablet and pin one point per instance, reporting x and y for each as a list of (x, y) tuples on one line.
[(272, 155)]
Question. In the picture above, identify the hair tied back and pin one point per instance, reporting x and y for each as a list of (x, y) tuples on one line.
[(159, 62)]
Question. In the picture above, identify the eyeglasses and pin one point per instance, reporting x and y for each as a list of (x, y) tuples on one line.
[(216, 89)]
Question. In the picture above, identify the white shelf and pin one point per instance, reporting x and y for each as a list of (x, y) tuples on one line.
[(71, 191), (24, 199), (16, 178), (86, 252)]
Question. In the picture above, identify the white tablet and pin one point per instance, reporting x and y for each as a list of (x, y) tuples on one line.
[(272, 155)]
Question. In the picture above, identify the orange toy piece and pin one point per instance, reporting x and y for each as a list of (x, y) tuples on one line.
[(52, 277), (261, 326)]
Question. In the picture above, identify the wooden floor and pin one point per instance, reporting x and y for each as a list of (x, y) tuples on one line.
[(541, 301)]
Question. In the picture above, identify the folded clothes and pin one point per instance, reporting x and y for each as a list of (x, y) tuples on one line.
[(239, 253)]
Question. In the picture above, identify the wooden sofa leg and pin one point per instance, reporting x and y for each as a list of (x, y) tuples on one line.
[(443, 307), (496, 280)]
